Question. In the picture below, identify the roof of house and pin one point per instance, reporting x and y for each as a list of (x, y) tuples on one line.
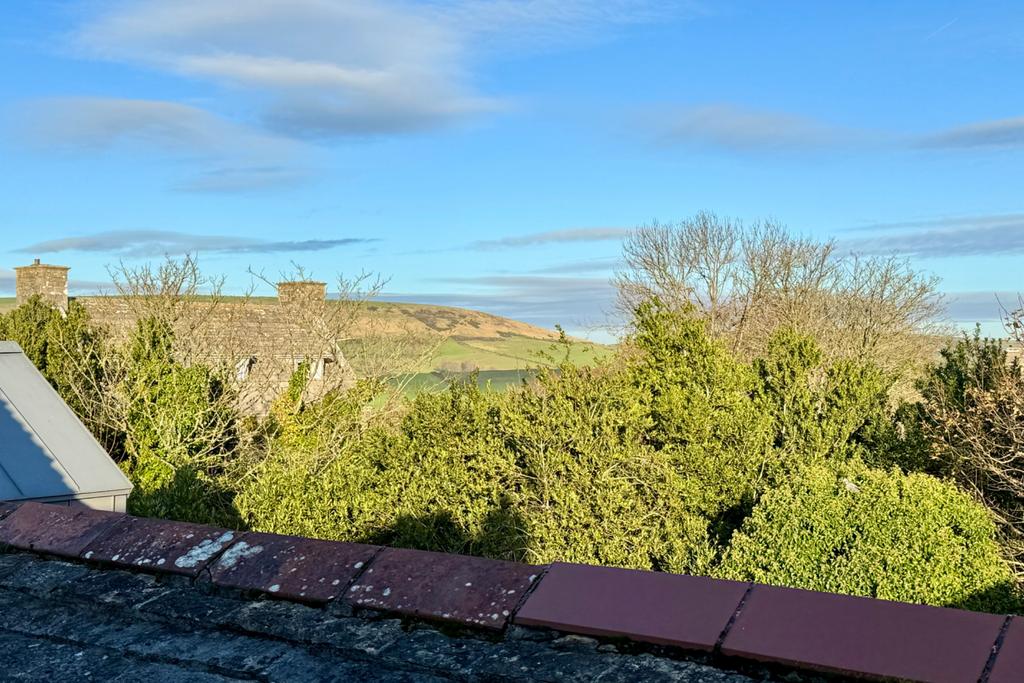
[(45, 450), (130, 597)]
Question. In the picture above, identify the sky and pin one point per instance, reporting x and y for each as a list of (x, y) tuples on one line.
[(493, 154)]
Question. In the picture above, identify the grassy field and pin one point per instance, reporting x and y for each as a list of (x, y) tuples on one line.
[(509, 354), (492, 380), (6, 303)]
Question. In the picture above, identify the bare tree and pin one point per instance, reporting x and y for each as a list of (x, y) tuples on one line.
[(982, 445), (747, 281)]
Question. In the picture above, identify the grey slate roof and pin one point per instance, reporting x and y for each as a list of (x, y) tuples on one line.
[(46, 453), (61, 622)]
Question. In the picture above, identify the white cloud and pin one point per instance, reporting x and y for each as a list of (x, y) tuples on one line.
[(1000, 134), (736, 128), (144, 243), (980, 307), (740, 129), (229, 156), (328, 68), (552, 237), (324, 68), (994, 234)]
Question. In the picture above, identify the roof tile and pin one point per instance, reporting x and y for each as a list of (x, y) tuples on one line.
[(665, 609), (1009, 664), (55, 529), (469, 590), (301, 569), (862, 636), (154, 544)]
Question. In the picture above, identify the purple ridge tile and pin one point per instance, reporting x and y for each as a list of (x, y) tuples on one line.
[(650, 607), (55, 529), (467, 590), (302, 569), (862, 636), (159, 545), (1009, 664)]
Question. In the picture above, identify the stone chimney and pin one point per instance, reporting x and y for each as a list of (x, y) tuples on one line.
[(301, 291), (49, 282)]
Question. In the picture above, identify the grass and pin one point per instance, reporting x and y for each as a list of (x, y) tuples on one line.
[(513, 353), (492, 380), (6, 303)]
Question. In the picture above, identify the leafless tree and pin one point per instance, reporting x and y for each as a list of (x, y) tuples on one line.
[(747, 281), (982, 444)]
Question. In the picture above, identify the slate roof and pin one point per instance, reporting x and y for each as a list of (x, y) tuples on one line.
[(45, 450), (93, 595)]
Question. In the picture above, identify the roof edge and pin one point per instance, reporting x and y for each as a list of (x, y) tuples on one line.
[(738, 624)]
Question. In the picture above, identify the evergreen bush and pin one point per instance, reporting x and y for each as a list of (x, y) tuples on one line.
[(847, 528)]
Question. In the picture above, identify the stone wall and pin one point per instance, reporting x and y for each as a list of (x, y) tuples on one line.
[(301, 291), (48, 281)]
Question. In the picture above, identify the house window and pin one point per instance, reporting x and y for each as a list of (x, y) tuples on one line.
[(243, 366)]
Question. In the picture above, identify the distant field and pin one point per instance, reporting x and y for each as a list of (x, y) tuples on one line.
[(493, 380), (510, 353), (6, 303)]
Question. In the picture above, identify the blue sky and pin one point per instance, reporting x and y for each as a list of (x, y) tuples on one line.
[(491, 154)]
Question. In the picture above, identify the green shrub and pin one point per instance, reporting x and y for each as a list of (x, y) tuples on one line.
[(698, 404), (27, 325), (973, 363), (846, 528), (591, 489), (565, 468), (435, 481), (180, 429), (819, 411)]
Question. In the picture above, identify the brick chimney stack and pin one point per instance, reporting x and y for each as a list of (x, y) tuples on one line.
[(48, 281)]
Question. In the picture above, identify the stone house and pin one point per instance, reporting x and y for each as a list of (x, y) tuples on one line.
[(263, 340)]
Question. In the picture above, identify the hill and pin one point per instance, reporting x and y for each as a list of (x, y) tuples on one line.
[(501, 348), (476, 339)]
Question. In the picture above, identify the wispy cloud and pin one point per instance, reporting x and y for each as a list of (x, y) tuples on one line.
[(552, 237), (740, 129), (301, 71), (147, 243), (228, 156), (333, 69), (980, 307), (594, 265), (998, 234), (1000, 134), (351, 68)]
